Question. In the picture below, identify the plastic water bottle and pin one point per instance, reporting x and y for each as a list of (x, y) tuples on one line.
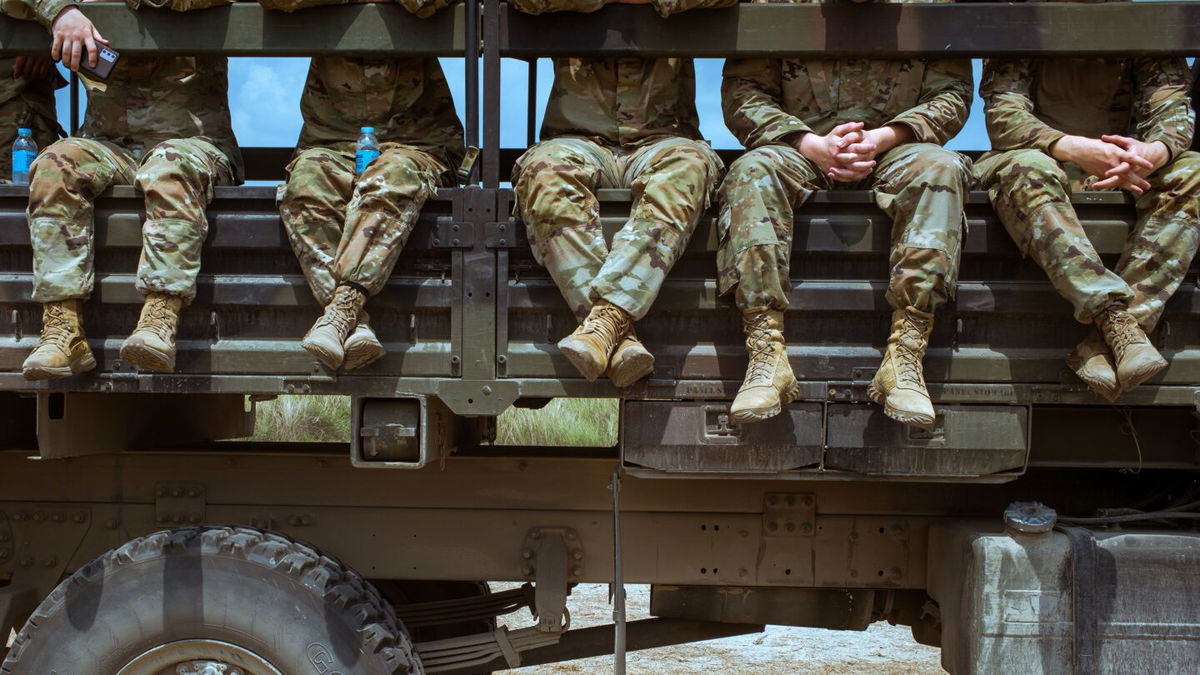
[(24, 151), (367, 151)]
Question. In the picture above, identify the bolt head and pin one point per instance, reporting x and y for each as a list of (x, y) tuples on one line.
[(527, 570), (3, 537), (577, 555), (527, 554), (773, 500), (57, 517), (577, 571), (808, 500), (79, 517), (773, 526), (38, 517), (536, 534), (4, 554)]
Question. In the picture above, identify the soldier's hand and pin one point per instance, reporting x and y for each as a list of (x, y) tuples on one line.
[(73, 32), (1156, 154), (1115, 166), (824, 150), (31, 68)]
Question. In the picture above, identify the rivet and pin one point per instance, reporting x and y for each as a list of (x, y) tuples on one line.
[(527, 554), (294, 521), (853, 574), (3, 553), (773, 500), (791, 500), (20, 515), (808, 500), (79, 517), (38, 517), (487, 391), (193, 518), (578, 555), (177, 492), (26, 562), (570, 534), (193, 492), (773, 526), (527, 571), (3, 537), (49, 562), (806, 527), (305, 521), (791, 527), (56, 517), (536, 534), (112, 523), (162, 491), (577, 571)]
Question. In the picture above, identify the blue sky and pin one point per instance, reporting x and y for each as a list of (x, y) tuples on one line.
[(264, 94)]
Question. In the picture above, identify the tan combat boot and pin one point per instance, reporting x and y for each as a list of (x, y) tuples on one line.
[(62, 349), (151, 347), (899, 386), (770, 383), (630, 362), (1092, 362), (327, 338), (591, 346), (1137, 360), (362, 347)]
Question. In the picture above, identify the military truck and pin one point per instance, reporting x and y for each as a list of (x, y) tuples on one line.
[(1034, 529)]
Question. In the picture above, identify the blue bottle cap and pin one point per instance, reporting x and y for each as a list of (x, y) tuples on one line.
[(368, 130), (24, 132)]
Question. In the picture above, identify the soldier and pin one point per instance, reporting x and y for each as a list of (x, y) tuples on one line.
[(27, 85), (161, 124), (348, 230), (1052, 135), (820, 124), (614, 123)]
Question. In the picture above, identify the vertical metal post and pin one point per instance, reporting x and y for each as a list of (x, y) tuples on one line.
[(531, 110), (471, 76), (618, 580), (74, 122), (491, 93)]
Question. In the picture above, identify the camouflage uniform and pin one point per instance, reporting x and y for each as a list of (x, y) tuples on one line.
[(615, 123), (768, 103), (351, 229), (25, 103), (1030, 105), (162, 124)]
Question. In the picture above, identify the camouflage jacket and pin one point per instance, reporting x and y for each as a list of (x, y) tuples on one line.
[(621, 101), (37, 95), (1031, 103), (766, 100), (406, 100), (149, 100)]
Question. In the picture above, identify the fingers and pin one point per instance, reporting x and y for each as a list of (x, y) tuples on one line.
[(1136, 180), (93, 54), (98, 37), (1107, 184), (56, 48), (843, 175), (1135, 159), (74, 50), (1123, 141), (1118, 170), (846, 128), (864, 148), (19, 67)]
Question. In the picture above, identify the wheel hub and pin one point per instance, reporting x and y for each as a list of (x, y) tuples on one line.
[(199, 657)]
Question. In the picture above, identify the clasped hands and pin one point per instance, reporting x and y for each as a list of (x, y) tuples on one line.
[(847, 153), (1118, 161)]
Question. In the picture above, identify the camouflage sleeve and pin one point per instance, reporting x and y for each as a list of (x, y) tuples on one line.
[(666, 8), (421, 8), (178, 5), (544, 6), (944, 104), (751, 91), (1008, 107), (47, 11), (1161, 106), (17, 9)]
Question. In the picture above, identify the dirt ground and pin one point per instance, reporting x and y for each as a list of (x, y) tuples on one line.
[(778, 650)]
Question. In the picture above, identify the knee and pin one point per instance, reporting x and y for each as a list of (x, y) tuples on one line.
[(944, 167), (64, 156), (753, 166), (1033, 168), (170, 161), (683, 161)]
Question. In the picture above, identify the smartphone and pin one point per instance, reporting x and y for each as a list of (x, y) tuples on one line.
[(105, 64)]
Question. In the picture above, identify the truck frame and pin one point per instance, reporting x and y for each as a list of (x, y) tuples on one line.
[(118, 485)]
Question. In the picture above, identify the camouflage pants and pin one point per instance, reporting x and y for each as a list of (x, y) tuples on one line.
[(556, 184), (1031, 193), (347, 228), (921, 186), (177, 179)]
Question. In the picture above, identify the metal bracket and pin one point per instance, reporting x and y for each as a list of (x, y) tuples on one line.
[(553, 556), (179, 503), (478, 397), (453, 234), (789, 514), (504, 234)]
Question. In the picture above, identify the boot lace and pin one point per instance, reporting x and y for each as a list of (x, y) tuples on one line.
[(158, 319), (339, 312), (56, 328), (762, 362), (605, 321), (908, 365), (1122, 330)]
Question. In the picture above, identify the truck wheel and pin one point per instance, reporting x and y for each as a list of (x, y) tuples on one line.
[(213, 600)]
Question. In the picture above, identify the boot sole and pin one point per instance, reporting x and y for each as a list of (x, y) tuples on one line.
[(586, 367), (632, 370), (80, 365), (330, 360), (360, 354), (1142, 375), (902, 416), (147, 358), (751, 416), (1101, 387)]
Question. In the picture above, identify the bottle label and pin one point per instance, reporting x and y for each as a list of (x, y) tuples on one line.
[(363, 159), (22, 160)]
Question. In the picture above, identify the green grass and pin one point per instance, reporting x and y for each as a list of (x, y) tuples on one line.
[(300, 419), (578, 422), (564, 421)]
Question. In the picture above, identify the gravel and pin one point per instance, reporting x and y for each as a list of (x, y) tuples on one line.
[(778, 650)]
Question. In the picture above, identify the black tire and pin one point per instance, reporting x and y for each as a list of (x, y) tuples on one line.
[(301, 611)]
